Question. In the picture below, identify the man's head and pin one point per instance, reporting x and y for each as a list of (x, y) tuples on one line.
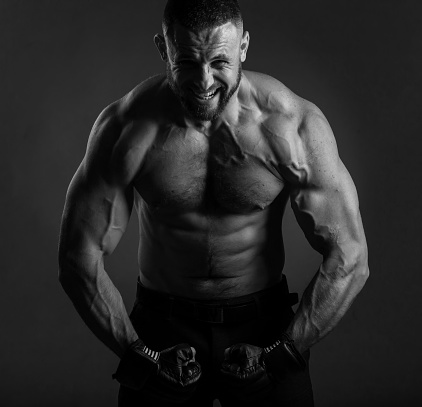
[(203, 46)]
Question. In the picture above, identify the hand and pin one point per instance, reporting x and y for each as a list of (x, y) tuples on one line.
[(250, 372), (170, 375), (244, 373), (178, 374)]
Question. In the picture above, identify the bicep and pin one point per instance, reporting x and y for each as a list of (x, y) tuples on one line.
[(324, 199), (96, 214), (99, 199), (328, 212)]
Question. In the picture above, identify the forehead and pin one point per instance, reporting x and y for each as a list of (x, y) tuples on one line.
[(223, 39)]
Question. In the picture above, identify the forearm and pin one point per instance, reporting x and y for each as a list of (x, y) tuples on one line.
[(97, 301), (326, 300)]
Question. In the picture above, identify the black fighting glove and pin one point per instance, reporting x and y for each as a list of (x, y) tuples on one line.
[(170, 375), (250, 372)]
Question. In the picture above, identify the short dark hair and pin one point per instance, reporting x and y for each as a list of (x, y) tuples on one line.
[(197, 15)]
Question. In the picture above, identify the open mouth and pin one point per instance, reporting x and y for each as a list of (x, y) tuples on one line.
[(205, 96)]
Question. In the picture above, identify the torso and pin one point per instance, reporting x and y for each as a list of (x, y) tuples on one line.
[(210, 203)]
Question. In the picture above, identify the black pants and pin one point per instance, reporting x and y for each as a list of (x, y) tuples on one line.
[(163, 321)]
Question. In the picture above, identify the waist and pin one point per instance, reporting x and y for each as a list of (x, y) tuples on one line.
[(269, 301), (193, 255)]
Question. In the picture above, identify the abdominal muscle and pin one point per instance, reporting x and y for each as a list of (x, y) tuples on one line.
[(210, 257)]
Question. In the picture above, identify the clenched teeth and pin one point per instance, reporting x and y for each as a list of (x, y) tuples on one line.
[(205, 96)]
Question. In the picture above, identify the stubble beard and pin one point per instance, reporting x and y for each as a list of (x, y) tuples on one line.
[(199, 111)]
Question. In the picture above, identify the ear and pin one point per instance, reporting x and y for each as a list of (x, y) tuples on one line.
[(244, 45), (160, 43)]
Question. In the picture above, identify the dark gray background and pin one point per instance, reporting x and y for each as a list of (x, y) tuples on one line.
[(62, 62)]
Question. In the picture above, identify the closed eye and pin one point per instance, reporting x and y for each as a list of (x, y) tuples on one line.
[(219, 63)]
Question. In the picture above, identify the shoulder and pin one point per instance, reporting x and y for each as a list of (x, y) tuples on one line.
[(278, 101), (282, 111), (145, 100), (138, 104), (125, 129), (272, 97), (316, 136), (315, 158), (296, 128)]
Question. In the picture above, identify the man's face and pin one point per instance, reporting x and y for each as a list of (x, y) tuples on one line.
[(204, 69)]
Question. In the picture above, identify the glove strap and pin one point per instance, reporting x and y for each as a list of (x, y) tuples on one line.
[(142, 349), (287, 344), (137, 364)]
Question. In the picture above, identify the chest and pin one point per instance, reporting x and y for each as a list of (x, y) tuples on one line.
[(230, 170)]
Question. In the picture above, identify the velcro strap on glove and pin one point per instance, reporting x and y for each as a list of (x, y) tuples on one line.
[(137, 365), (287, 344)]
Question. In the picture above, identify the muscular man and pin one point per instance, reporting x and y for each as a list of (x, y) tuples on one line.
[(209, 155)]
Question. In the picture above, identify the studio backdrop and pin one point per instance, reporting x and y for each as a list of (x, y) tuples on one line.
[(62, 62)]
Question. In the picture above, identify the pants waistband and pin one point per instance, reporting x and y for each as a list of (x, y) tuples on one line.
[(236, 309)]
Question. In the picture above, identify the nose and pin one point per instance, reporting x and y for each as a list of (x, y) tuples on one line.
[(206, 79)]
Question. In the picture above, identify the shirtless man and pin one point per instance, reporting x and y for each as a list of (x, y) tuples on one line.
[(209, 155)]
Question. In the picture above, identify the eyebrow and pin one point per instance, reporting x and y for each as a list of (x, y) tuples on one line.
[(215, 57), (220, 56)]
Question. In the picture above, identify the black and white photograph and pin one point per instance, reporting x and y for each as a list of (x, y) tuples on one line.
[(211, 203)]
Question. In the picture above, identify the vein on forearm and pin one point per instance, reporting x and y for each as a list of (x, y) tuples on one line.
[(325, 301)]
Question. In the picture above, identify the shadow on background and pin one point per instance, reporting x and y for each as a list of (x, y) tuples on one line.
[(63, 62)]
